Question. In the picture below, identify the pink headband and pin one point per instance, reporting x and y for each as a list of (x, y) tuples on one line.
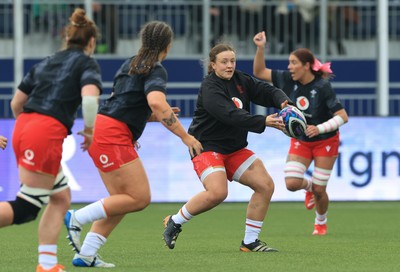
[(318, 66)]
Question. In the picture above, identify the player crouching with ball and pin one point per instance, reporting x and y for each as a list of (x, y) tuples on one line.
[(307, 84)]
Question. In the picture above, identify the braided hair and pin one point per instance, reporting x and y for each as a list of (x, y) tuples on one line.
[(155, 36)]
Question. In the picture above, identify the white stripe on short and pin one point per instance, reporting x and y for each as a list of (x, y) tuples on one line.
[(243, 167)]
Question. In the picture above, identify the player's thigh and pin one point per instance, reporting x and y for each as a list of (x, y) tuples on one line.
[(257, 177), (303, 160), (216, 182), (325, 162), (128, 179), (36, 179)]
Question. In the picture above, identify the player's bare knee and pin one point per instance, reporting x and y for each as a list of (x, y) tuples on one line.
[(216, 198), (142, 203), (293, 184), (266, 188), (319, 190)]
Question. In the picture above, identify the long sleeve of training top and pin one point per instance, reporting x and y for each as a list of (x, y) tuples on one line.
[(222, 117)]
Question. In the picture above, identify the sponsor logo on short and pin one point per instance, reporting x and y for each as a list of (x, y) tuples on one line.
[(29, 155), (104, 161)]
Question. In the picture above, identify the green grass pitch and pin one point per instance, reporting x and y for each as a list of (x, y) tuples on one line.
[(362, 236)]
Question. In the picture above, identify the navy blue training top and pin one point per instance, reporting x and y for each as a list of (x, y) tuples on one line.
[(316, 100), (128, 102), (54, 84)]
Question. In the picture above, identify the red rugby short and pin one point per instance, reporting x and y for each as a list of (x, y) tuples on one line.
[(324, 148), (234, 164), (112, 145), (37, 142)]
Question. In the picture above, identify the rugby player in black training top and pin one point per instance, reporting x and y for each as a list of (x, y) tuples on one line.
[(45, 105), (221, 122)]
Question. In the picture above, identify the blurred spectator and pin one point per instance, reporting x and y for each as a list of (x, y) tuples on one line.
[(105, 17), (50, 18), (294, 24), (221, 22), (341, 20), (237, 20), (249, 16)]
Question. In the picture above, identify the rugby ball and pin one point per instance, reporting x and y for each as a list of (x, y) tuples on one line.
[(294, 120)]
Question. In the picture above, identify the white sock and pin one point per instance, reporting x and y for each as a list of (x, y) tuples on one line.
[(321, 219), (182, 216), (91, 212), (47, 256), (93, 242), (253, 229)]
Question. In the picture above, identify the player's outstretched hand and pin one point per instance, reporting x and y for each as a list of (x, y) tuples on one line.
[(273, 120), (87, 138), (3, 142), (194, 145)]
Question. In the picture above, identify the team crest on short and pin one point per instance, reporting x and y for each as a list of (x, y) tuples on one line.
[(302, 102), (238, 102)]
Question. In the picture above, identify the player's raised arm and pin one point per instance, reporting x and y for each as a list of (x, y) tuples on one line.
[(259, 68)]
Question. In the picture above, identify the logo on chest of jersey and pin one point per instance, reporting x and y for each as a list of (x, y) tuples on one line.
[(302, 103), (238, 102)]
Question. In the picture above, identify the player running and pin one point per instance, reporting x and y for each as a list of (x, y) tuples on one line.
[(45, 105), (307, 83), (139, 94), (221, 122)]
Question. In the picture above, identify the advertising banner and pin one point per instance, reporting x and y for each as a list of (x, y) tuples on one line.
[(368, 166)]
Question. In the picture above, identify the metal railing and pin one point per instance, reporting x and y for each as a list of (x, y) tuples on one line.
[(348, 31), (347, 22)]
